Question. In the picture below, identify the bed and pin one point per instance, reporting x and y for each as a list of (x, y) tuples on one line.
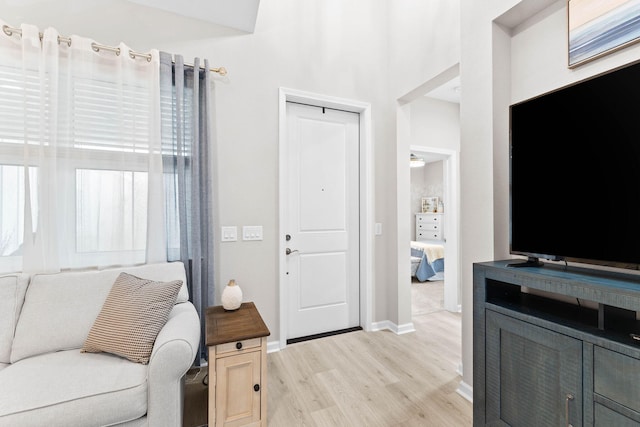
[(427, 261)]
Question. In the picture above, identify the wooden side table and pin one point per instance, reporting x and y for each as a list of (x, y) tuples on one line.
[(237, 343)]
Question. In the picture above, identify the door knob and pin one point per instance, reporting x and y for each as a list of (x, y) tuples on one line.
[(289, 251)]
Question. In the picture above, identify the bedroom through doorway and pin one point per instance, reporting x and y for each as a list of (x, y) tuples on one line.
[(432, 134), (428, 232), (429, 126)]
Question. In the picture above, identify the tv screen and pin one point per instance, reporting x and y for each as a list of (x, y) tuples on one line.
[(575, 171)]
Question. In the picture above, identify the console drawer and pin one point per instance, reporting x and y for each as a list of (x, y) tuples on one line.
[(616, 377), (605, 417)]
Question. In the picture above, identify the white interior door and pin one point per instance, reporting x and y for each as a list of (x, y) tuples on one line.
[(322, 221)]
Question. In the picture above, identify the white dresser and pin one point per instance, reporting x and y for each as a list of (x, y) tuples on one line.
[(429, 226)]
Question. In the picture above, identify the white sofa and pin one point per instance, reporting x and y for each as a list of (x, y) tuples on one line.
[(45, 380)]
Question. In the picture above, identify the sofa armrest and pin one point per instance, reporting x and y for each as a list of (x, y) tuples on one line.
[(174, 352)]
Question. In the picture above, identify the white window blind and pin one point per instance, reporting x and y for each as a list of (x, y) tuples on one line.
[(20, 112)]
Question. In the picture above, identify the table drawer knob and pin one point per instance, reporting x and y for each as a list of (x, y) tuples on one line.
[(239, 345)]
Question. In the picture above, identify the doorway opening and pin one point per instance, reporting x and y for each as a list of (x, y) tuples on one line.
[(428, 126), (428, 239), (441, 243)]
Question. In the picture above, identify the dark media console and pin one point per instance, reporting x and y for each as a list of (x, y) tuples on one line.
[(555, 346)]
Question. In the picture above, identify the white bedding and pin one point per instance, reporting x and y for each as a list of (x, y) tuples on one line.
[(434, 251)]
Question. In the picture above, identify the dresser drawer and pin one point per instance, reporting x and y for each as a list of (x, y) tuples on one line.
[(616, 377), (429, 235), (428, 226), (428, 219)]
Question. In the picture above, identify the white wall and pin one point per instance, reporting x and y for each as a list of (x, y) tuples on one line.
[(476, 154), (426, 181), (435, 123), (424, 41)]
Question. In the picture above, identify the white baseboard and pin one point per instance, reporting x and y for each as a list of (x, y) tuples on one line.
[(379, 326), (405, 329), (273, 346), (398, 330), (465, 390)]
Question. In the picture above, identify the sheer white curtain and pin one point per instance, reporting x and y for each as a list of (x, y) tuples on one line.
[(81, 181)]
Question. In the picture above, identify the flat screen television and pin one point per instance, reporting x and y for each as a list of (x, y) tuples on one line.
[(575, 172)]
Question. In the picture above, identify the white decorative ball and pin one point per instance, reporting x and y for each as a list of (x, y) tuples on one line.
[(231, 296)]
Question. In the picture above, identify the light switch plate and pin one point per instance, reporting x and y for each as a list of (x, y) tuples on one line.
[(252, 232), (229, 234)]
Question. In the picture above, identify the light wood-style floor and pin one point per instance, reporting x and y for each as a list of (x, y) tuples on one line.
[(372, 378)]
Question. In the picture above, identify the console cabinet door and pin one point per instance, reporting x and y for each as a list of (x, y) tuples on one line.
[(533, 375), (238, 389)]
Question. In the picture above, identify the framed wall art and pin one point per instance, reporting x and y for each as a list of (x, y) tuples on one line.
[(598, 27), (429, 204)]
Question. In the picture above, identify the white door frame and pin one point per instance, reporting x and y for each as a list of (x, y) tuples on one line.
[(450, 161), (366, 198)]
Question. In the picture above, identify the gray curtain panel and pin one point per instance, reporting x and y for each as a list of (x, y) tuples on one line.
[(187, 141)]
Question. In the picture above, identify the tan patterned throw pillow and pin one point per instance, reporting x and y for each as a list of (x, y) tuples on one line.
[(131, 318)]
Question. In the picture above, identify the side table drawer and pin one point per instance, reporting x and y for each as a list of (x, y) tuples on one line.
[(616, 377), (238, 346)]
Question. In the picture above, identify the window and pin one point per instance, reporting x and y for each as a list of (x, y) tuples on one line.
[(12, 204), (87, 129), (111, 210)]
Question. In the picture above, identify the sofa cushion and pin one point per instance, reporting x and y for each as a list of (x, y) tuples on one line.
[(131, 317), (12, 290), (83, 389), (59, 309)]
